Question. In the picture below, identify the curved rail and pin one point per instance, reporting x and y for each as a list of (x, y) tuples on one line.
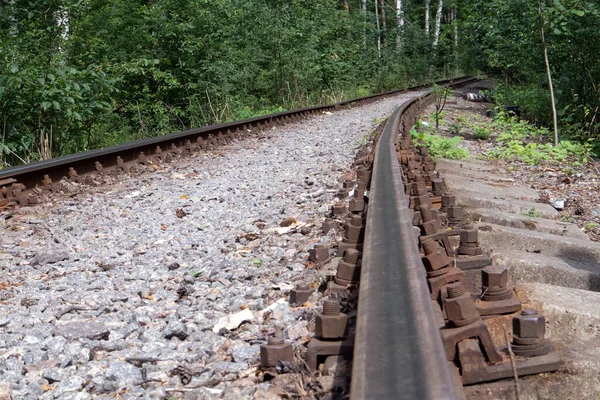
[(398, 351), (32, 174)]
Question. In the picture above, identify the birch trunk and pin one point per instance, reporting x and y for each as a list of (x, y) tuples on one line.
[(363, 10), (427, 17), (378, 30), (455, 22), (438, 22), (399, 22)]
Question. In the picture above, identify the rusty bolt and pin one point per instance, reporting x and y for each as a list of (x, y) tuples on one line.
[(529, 325), (99, 166), (158, 150), (320, 252), (435, 256), (275, 349), (455, 213), (426, 213), (459, 306), (331, 323), (469, 236), (356, 204), (338, 208), (329, 224), (447, 201), (421, 188), (437, 186), (494, 276), (354, 229), (300, 294), (343, 193), (348, 269)]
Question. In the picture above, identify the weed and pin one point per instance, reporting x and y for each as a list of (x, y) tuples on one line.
[(439, 146), (482, 132), (455, 129), (589, 226), (533, 213), (567, 218)]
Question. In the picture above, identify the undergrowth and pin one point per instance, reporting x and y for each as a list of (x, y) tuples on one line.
[(518, 140), (438, 146)]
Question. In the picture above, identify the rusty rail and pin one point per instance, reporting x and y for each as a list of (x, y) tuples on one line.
[(398, 350), (32, 175)]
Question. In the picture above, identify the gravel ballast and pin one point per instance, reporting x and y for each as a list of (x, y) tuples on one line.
[(122, 290)]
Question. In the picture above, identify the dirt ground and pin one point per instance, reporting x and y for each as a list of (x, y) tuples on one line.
[(577, 185)]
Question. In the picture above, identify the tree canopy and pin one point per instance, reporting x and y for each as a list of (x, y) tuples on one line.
[(83, 74)]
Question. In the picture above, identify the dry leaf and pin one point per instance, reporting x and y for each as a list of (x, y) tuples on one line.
[(287, 222)]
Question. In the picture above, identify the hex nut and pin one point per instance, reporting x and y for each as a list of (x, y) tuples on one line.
[(455, 212), (469, 236), (300, 294), (495, 276), (356, 205), (331, 323), (459, 308), (529, 324), (275, 350), (353, 232), (320, 252)]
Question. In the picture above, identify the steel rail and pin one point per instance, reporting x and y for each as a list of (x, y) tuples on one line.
[(56, 168), (398, 351)]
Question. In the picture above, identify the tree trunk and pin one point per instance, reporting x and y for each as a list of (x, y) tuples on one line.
[(383, 23), (454, 14), (548, 74), (399, 22), (378, 30), (363, 10), (427, 17), (438, 23)]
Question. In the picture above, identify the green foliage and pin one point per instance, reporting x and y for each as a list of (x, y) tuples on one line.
[(482, 132), (503, 37), (77, 75), (533, 213), (521, 141), (440, 95), (438, 146)]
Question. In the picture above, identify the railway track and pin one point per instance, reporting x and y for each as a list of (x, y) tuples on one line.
[(18, 184), (436, 313), (424, 324)]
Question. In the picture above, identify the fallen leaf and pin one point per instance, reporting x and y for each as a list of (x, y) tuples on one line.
[(183, 196), (287, 222), (46, 388), (251, 236), (180, 213), (163, 227)]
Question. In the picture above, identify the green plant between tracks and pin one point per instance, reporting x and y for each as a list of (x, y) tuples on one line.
[(438, 146)]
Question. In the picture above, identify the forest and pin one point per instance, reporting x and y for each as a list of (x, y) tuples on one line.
[(77, 75)]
